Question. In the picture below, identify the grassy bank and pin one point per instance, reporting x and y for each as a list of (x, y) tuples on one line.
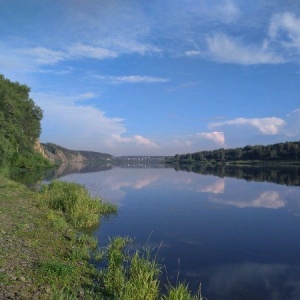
[(44, 253), (42, 250)]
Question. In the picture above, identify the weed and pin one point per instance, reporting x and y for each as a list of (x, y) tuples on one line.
[(87, 241), (180, 292), (79, 253)]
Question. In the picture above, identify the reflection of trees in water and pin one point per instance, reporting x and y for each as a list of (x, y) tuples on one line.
[(33, 178), (279, 175), (80, 167)]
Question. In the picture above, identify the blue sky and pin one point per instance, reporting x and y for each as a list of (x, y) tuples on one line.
[(157, 77)]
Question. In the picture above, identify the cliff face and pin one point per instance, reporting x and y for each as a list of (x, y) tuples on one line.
[(58, 154), (39, 148)]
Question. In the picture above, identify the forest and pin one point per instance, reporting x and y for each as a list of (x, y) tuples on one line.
[(288, 151), (20, 127)]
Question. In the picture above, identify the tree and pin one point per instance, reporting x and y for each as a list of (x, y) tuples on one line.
[(20, 125)]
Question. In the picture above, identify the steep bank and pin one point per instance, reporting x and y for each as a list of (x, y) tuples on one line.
[(58, 154)]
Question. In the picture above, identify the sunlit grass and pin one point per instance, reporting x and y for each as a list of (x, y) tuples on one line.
[(78, 207)]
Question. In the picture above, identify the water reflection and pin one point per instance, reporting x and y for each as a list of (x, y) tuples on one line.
[(240, 238), (112, 184), (255, 281), (287, 175)]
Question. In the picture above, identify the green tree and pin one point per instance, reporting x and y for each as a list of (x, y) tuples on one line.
[(20, 125)]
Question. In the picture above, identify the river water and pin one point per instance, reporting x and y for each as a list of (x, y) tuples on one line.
[(239, 238)]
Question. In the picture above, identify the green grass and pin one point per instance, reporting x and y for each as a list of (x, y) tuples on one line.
[(136, 276), (74, 201), (42, 254)]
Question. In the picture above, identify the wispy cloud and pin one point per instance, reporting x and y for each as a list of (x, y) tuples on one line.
[(227, 10), (192, 53), (226, 49), (268, 126), (80, 50), (45, 56), (134, 79), (285, 29)]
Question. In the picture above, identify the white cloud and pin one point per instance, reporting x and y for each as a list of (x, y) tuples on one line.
[(134, 79), (86, 125), (226, 49), (215, 136), (192, 53), (136, 139), (268, 126), (81, 50), (44, 55), (120, 139), (144, 141), (285, 28)]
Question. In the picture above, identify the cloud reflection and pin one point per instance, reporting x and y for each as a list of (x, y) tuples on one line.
[(267, 199), (252, 280), (113, 185), (216, 188)]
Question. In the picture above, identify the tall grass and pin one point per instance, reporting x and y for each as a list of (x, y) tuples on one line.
[(136, 276), (78, 207), (128, 276), (180, 292)]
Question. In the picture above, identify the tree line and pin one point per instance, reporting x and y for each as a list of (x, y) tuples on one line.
[(288, 151), (20, 126)]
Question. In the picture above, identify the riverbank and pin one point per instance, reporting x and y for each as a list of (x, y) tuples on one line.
[(45, 252), (38, 254)]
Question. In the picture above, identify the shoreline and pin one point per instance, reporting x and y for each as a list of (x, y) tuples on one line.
[(44, 254)]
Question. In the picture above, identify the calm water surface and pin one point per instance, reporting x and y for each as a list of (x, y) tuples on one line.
[(240, 239)]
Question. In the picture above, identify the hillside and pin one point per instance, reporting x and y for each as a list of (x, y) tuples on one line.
[(58, 154)]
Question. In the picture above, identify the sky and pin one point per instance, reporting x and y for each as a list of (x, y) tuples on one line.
[(138, 77)]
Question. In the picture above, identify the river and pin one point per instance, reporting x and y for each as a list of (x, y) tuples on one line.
[(240, 238)]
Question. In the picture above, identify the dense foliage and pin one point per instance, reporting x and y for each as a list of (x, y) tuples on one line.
[(281, 151), (19, 126)]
